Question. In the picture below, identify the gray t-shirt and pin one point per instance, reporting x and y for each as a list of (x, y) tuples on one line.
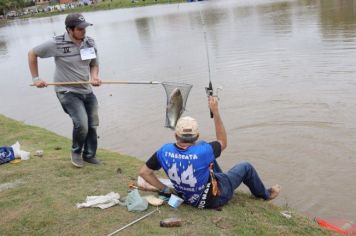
[(69, 65)]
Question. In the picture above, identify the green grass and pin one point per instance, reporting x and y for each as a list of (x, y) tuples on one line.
[(44, 201)]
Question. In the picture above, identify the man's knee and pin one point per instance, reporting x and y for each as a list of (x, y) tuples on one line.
[(93, 117), (247, 165), (94, 122), (81, 127)]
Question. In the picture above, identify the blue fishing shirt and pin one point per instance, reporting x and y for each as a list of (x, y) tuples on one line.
[(188, 169)]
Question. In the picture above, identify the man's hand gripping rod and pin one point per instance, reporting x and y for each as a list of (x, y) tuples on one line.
[(210, 92)]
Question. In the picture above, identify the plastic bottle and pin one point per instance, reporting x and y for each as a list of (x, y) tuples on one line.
[(171, 222)]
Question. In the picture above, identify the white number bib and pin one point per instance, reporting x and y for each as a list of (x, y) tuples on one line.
[(87, 53)]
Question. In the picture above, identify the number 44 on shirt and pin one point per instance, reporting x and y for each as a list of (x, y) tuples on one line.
[(187, 176)]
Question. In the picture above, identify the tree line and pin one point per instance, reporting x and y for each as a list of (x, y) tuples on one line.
[(8, 5)]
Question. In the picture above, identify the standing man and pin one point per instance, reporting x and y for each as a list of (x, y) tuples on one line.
[(192, 168), (76, 60)]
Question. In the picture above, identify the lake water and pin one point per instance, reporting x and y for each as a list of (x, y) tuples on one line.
[(287, 69)]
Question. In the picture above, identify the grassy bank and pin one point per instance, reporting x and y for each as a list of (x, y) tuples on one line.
[(45, 190)]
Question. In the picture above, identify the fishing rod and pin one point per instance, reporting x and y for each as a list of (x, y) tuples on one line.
[(209, 90), (102, 82)]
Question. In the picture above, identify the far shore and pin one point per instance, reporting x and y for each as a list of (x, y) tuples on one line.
[(103, 5)]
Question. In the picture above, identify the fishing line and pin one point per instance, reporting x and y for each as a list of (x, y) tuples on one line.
[(206, 45), (209, 90)]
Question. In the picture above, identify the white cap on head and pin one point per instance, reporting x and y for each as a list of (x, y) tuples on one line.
[(187, 127)]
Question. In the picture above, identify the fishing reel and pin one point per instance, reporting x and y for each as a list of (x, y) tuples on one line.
[(210, 92)]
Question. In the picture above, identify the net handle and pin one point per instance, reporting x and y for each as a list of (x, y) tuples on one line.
[(102, 82)]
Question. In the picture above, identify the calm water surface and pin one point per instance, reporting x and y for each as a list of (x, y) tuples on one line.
[(287, 69)]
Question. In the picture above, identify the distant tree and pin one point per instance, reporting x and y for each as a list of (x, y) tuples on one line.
[(7, 5), (19, 3), (29, 3)]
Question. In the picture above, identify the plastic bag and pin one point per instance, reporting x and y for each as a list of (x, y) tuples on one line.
[(16, 147), (6, 154), (20, 153), (135, 202), (102, 201)]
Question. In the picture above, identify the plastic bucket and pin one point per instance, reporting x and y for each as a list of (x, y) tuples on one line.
[(175, 201)]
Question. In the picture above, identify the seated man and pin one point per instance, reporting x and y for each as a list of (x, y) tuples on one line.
[(193, 170)]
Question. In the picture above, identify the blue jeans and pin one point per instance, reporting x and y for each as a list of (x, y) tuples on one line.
[(83, 109), (241, 173)]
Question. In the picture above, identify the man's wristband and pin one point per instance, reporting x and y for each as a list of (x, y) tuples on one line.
[(34, 79), (166, 190)]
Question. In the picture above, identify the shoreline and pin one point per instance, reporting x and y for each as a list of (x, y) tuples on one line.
[(46, 189)]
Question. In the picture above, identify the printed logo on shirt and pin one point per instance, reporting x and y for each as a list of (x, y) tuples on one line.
[(66, 50), (203, 200)]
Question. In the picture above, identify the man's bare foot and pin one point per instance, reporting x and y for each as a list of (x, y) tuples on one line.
[(274, 191)]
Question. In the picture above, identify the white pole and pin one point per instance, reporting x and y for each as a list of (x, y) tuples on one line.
[(133, 222), (103, 82)]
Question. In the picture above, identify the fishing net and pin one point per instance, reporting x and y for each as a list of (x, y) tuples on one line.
[(177, 96)]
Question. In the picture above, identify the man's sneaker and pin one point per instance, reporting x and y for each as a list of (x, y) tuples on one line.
[(92, 160), (77, 160)]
